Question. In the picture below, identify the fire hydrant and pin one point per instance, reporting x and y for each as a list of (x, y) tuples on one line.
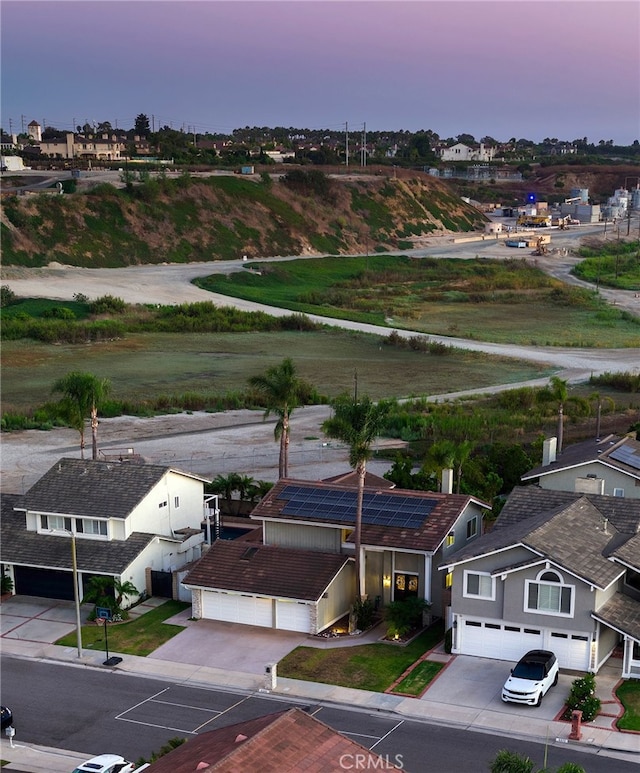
[(576, 724)]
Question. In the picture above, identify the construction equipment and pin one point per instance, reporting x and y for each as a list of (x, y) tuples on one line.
[(541, 247), (534, 221)]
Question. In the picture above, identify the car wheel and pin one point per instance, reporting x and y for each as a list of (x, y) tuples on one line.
[(555, 680)]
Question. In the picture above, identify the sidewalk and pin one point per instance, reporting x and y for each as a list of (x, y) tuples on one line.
[(35, 759)]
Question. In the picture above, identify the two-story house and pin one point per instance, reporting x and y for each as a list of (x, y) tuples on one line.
[(610, 466), (302, 577), (129, 520), (559, 571)]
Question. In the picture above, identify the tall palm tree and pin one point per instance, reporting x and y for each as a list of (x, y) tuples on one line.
[(82, 395), (357, 422), (599, 400), (283, 391)]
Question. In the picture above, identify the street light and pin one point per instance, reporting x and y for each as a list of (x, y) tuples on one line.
[(76, 592)]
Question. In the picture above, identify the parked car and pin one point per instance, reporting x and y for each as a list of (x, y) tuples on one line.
[(106, 763), (7, 717), (535, 673)]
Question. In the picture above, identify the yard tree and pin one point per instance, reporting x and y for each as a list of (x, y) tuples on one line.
[(283, 391), (357, 421), (82, 395), (141, 126)]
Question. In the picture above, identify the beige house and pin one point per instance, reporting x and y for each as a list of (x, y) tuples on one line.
[(106, 147)]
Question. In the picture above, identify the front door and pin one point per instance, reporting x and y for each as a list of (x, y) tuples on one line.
[(405, 586)]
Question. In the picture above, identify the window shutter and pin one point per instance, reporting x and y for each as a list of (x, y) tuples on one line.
[(565, 605), (533, 595)]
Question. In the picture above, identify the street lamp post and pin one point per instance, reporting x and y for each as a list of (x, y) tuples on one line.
[(76, 592)]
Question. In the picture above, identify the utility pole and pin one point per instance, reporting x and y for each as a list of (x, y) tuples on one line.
[(153, 123), (364, 145), (22, 119), (346, 143)]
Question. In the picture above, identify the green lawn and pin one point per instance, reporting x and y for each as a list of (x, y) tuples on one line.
[(137, 637), (629, 695), (416, 681), (372, 667)]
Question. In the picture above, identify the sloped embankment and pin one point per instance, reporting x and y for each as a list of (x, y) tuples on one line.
[(221, 218)]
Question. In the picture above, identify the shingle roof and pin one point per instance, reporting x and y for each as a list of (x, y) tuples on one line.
[(428, 536), (576, 536), (94, 489), (266, 569), (629, 552), (28, 548), (590, 451), (527, 501), (285, 742), (350, 478), (623, 613)]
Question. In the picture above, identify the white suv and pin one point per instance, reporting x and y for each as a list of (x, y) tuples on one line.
[(532, 677)]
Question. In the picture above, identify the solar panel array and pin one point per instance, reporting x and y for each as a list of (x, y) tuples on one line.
[(340, 506), (626, 455)]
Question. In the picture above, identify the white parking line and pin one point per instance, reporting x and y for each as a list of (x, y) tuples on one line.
[(224, 712), (387, 734), (146, 700)]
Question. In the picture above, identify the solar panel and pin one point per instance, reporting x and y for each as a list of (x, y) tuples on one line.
[(626, 455), (377, 509)]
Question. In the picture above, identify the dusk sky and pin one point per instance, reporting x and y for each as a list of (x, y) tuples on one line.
[(512, 68)]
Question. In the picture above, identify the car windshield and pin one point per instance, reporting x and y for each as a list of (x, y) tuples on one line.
[(527, 670)]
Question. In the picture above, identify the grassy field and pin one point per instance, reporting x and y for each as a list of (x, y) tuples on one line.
[(503, 301), (145, 365)]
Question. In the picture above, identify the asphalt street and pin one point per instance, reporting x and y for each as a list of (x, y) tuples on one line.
[(102, 711)]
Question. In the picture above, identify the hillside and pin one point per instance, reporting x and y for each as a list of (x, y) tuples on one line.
[(217, 218)]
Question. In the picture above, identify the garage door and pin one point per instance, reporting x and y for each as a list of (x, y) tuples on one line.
[(47, 583), (235, 608), (572, 650), (293, 616), (493, 640)]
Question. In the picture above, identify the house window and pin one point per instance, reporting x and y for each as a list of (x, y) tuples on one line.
[(472, 527), (91, 526), (618, 492), (479, 585), (55, 523), (176, 502), (451, 538), (548, 595)]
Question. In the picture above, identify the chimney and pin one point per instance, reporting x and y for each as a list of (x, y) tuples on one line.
[(549, 450), (447, 481)]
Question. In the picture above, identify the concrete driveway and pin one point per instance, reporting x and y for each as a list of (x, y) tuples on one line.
[(229, 646), (477, 683), (34, 619)]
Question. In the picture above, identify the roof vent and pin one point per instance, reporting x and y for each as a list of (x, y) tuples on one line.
[(248, 553), (240, 738)]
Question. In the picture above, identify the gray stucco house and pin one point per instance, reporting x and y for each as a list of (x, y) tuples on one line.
[(559, 571)]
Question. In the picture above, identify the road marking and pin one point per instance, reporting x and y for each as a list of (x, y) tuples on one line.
[(185, 706), (387, 734), (152, 724), (131, 708)]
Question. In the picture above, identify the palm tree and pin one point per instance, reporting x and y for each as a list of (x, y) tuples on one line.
[(82, 394), (559, 393), (283, 391), (357, 422), (599, 400)]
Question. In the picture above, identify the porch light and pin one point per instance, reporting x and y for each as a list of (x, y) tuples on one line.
[(386, 581)]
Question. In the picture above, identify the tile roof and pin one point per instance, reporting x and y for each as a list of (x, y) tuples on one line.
[(28, 548), (94, 489), (590, 451), (623, 613), (266, 570), (576, 536), (285, 742), (428, 536)]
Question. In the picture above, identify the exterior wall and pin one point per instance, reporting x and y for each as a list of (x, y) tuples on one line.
[(374, 572), (149, 517), (606, 642), (306, 537), (564, 480), (340, 595), (602, 596)]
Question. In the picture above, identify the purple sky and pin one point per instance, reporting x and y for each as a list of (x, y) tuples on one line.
[(523, 68)]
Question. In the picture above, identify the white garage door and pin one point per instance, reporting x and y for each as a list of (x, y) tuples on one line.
[(572, 650), (293, 616), (494, 640), (235, 608)]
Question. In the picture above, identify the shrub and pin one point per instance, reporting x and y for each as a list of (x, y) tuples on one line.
[(107, 304), (7, 296), (511, 762), (6, 584), (404, 616), (364, 611), (582, 697)]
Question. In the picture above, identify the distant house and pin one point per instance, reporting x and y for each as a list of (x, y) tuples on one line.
[(131, 521), (106, 147), (462, 152), (559, 571), (34, 130), (610, 466), (285, 742), (302, 578)]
